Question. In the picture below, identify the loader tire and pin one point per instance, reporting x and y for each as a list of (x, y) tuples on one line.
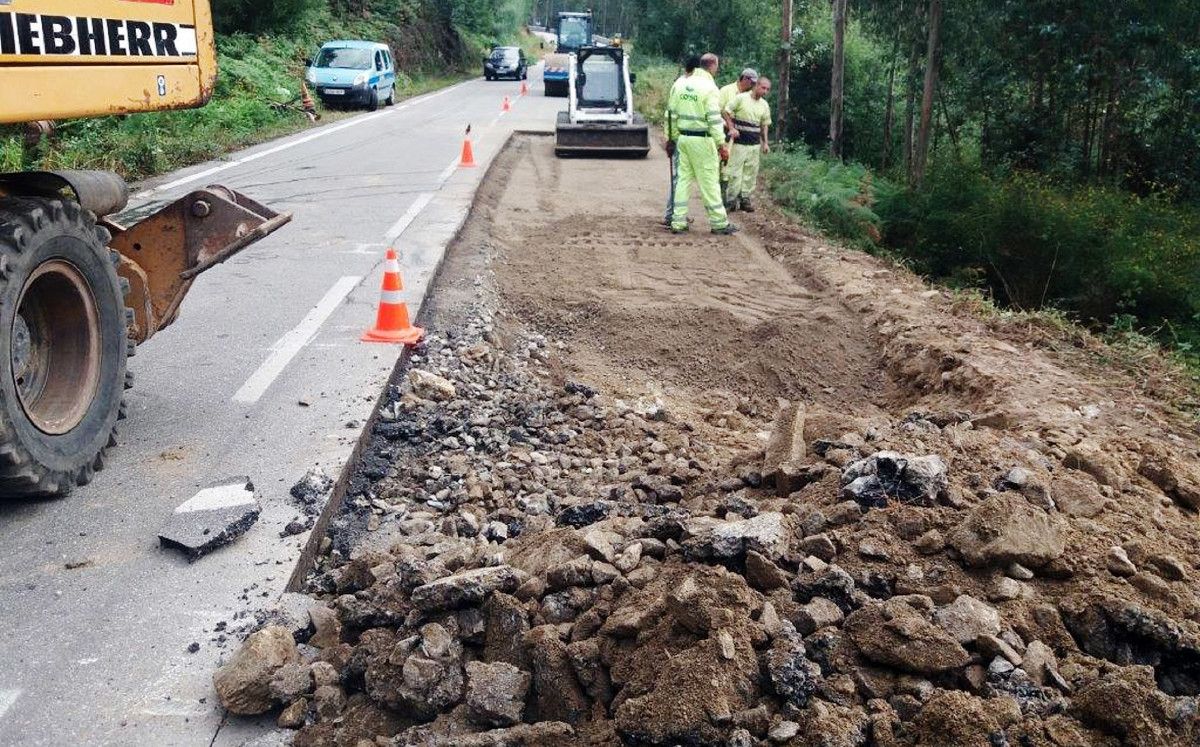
[(63, 346)]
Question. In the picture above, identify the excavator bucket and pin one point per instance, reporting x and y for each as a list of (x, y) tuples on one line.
[(162, 254)]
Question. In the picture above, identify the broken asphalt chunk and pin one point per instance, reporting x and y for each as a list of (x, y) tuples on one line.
[(212, 518)]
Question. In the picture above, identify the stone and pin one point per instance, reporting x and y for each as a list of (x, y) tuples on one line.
[(763, 574), (430, 386), (496, 693), (991, 647), (577, 572), (312, 491), (1118, 563), (293, 716), (327, 627), (243, 684), (786, 449), (783, 732), (1179, 480), (465, 589), (1078, 496), (884, 475), (967, 618), (291, 681), (930, 542), (766, 534), (324, 673), (1006, 529), (506, 626), (896, 634), (819, 545), (329, 701), (212, 518), (559, 697), (629, 558), (793, 677), (817, 614), (1167, 566), (725, 643), (1040, 663), (1005, 589), (1019, 572)]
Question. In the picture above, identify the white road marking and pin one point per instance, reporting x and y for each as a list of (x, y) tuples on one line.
[(323, 132), (291, 343), (409, 216), (448, 172), (7, 698), (221, 496)]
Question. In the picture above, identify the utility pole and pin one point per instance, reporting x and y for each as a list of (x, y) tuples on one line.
[(837, 84), (785, 69)]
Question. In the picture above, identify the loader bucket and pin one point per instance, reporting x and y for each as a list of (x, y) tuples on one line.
[(162, 254), (602, 139)]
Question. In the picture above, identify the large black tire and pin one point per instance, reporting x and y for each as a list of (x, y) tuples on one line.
[(63, 346), (373, 100)]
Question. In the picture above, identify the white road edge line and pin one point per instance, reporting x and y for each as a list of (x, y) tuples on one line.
[(400, 226), (7, 699), (324, 131), (291, 343)]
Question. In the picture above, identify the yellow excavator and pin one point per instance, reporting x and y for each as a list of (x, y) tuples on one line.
[(78, 290)]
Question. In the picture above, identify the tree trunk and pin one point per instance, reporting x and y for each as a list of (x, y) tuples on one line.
[(785, 71), (889, 114), (837, 85), (921, 151), (914, 56)]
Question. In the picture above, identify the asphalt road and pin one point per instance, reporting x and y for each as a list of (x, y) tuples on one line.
[(263, 376)]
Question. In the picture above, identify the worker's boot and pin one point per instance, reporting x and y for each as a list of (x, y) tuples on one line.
[(728, 230), (746, 204)]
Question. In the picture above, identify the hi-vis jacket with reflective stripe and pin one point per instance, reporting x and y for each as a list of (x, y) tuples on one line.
[(693, 110)]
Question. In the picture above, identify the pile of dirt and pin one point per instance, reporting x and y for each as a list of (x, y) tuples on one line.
[(939, 539)]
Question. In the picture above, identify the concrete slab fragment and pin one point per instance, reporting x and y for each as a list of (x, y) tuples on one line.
[(212, 518)]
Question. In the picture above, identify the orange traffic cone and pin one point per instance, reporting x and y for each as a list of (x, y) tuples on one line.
[(524, 88), (307, 104), (392, 324), (468, 154), (507, 107)]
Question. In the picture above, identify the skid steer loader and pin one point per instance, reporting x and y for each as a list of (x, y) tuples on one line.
[(600, 119), (79, 291)]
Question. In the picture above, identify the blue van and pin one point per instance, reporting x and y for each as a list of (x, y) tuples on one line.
[(354, 73)]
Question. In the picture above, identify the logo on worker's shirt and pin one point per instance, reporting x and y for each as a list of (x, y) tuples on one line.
[(37, 35)]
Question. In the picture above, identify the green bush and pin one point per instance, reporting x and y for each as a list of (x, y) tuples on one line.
[(1099, 253)]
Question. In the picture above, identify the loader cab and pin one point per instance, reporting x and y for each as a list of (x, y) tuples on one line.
[(354, 73), (601, 85)]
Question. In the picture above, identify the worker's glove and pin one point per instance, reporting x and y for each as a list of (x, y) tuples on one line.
[(671, 148)]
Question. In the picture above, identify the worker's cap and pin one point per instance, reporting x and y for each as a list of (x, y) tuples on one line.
[(750, 74)]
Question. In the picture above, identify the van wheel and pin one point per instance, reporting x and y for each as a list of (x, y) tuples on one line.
[(373, 101), (391, 99)]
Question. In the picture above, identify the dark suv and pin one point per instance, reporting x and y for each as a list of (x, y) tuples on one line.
[(506, 62)]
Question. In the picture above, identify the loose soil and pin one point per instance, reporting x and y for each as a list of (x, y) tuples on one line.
[(653, 489)]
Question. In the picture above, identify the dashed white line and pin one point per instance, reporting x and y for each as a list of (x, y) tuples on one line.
[(409, 216), (7, 699), (291, 343)]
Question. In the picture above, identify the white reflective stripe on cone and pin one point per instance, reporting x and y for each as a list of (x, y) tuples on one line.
[(392, 297), (392, 266)]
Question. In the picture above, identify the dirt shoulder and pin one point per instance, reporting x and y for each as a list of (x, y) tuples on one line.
[(654, 489)]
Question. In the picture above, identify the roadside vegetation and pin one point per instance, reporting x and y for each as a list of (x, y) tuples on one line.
[(1044, 158), (262, 48)]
